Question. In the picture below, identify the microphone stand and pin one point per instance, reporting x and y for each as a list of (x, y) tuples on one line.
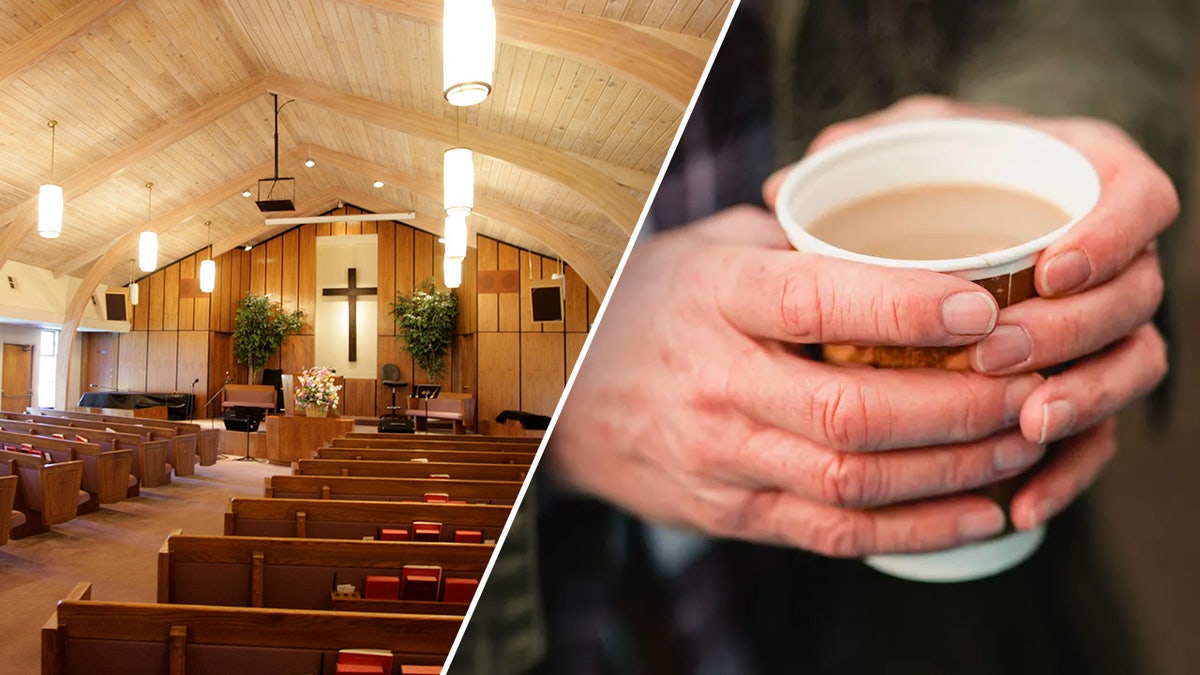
[(192, 403), (220, 391)]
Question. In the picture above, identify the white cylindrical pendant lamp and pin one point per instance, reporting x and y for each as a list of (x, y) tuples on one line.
[(452, 272), (208, 276), (456, 236), (468, 50), (458, 181), (133, 294), (50, 210), (148, 251)]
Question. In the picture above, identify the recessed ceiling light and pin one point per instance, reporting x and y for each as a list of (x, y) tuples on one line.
[(245, 193), (378, 183), (310, 163)]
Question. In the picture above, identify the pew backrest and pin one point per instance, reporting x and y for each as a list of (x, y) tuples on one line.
[(402, 455), (390, 489), (49, 488), (8, 496), (337, 519), (388, 469)]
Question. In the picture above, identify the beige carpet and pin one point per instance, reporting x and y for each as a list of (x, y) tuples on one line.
[(115, 549)]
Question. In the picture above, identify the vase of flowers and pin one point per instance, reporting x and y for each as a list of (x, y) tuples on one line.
[(316, 391)]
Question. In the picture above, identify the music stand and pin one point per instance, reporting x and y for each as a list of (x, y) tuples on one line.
[(426, 391)]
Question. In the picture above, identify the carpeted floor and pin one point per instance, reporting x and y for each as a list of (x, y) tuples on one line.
[(115, 549)]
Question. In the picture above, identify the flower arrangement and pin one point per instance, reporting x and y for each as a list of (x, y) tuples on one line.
[(316, 388)]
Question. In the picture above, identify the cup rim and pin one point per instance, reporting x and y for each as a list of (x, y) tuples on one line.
[(816, 162)]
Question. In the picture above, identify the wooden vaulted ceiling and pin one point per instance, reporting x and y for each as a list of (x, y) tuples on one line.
[(588, 96)]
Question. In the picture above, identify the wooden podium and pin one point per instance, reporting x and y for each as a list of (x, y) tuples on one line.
[(292, 437)]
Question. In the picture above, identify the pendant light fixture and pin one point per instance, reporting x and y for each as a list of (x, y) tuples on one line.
[(452, 271), (50, 198), (458, 181), (133, 286), (148, 239), (456, 236), (208, 266), (468, 50)]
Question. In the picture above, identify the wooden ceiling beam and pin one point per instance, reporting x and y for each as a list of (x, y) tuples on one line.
[(22, 220), (634, 53), (611, 198), (74, 22)]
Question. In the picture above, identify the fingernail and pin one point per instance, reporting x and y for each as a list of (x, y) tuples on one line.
[(971, 313), (1044, 512), (980, 524), (1066, 271), (1057, 419), (1016, 393), (1006, 347), (1014, 453)]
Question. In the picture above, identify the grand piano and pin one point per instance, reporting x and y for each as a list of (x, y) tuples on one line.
[(179, 406)]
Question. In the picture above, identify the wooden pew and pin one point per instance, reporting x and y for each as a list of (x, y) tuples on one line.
[(181, 448), (149, 456), (208, 444), (388, 469), (398, 455), (47, 492), (455, 407), (471, 438), (426, 442), (336, 519), (9, 517), (107, 471), (301, 573), (88, 636), (389, 489)]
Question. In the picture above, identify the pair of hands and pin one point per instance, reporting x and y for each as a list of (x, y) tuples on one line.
[(694, 407)]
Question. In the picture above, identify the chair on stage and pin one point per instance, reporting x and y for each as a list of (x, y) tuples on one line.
[(394, 422), (246, 405)]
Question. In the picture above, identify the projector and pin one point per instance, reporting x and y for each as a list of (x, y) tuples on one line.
[(276, 194)]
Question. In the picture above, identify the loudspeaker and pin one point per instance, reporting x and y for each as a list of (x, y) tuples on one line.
[(235, 423), (546, 300), (396, 424), (114, 306)]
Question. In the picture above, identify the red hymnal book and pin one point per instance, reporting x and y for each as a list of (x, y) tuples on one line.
[(437, 497), (468, 536), (420, 670), (382, 588), (420, 582), (393, 534), (426, 531), (459, 590), (364, 661), (58, 436)]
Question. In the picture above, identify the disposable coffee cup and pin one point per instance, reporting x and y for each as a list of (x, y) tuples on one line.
[(932, 153)]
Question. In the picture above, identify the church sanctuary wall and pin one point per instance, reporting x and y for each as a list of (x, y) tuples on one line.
[(499, 355)]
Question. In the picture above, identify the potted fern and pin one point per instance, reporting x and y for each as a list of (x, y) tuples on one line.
[(425, 321)]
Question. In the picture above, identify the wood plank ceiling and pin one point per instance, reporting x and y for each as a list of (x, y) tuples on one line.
[(588, 96)]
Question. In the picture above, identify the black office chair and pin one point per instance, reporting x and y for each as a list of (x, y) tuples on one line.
[(394, 422)]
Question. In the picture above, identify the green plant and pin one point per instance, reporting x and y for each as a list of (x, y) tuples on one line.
[(260, 327), (425, 321)]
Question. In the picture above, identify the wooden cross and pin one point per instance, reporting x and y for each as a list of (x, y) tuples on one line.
[(352, 291)]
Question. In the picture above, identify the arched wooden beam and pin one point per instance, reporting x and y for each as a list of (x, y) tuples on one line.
[(637, 55), (613, 200)]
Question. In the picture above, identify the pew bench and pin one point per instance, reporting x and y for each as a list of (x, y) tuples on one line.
[(9, 517), (390, 489), (337, 519), (399, 455), (389, 469), (107, 471), (150, 465), (208, 443), (47, 492), (458, 410), (531, 443), (97, 638), (288, 573), (430, 442)]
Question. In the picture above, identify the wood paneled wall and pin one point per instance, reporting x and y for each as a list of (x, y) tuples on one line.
[(499, 354)]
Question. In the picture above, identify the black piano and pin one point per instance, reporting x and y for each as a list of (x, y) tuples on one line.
[(179, 406)]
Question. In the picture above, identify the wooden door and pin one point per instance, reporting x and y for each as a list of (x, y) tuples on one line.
[(16, 390)]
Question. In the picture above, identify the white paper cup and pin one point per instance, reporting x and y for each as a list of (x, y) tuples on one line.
[(938, 152)]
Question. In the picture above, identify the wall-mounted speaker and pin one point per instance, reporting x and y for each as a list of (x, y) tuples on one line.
[(115, 308), (546, 300)]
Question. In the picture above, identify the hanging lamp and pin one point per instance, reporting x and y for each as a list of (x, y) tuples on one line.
[(133, 286), (456, 236), (208, 266), (468, 50), (458, 181), (148, 239), (452, 271), (50, 198)]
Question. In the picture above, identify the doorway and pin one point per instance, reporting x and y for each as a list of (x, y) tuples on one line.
[(16, 387)]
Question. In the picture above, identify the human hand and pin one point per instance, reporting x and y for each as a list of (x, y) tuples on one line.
[(693, 408), (1100, 286)]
